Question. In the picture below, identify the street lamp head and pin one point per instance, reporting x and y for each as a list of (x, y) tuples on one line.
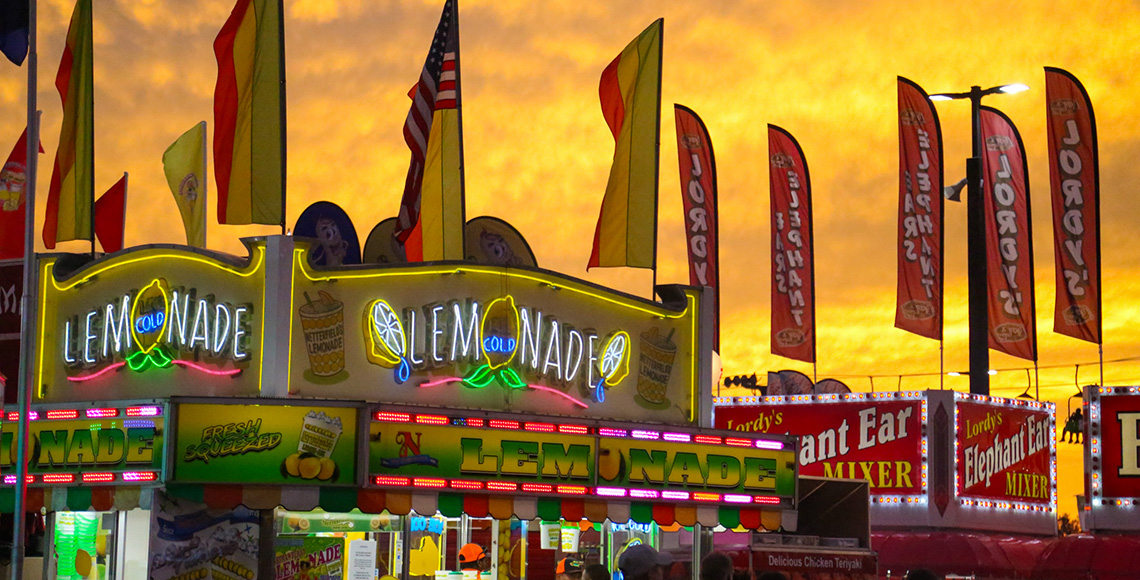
[(941, 97), (1014, 88)]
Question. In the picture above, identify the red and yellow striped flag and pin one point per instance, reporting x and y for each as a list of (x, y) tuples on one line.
[(72, 190), (249, 104), (631, 103)]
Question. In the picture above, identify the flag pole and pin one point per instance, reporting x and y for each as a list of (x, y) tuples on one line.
[(27, 306), (657, 158), (462, 162), (281, 80), (205, 182)]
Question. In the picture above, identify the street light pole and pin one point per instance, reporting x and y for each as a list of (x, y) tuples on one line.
[(976, 238)]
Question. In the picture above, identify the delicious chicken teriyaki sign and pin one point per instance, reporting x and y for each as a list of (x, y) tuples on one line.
[(494, 338), (876, 437)]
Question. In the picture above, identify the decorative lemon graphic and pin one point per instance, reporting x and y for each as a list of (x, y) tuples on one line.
[(328, 469), (149, 319), (309, 467), (292, 465), (615, 364), (385, 339), (499, 332), (610, 463)]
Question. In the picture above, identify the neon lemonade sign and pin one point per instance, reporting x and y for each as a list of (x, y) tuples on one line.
[(154, 327), (498, 341)]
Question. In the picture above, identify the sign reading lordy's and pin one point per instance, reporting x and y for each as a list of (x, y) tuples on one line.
[(154, 322), (1006, 450), (493, 338)]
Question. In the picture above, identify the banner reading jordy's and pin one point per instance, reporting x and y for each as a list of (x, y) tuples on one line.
[(698, 191), (1009, 249), (793, 267), (919, 305), (1075, 179)]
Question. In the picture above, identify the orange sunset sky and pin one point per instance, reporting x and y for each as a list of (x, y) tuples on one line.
[(538, 150)]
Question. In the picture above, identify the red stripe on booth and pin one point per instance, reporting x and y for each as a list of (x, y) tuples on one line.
[(102, 498), (573, 510), (663, 514), (370, 501), (750, 519), (222, 496), (475, 505)]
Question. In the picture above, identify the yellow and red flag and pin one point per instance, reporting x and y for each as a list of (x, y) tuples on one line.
[(249, 125), (184, 164), (13, 188), (430, 223), (630, 91), (72, 190)]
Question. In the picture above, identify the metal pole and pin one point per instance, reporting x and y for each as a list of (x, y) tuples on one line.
[(976, 250), (27, 305)]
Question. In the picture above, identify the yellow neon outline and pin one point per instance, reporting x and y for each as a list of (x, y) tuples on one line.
[(48, 265), (694, 347), (624, 362), (161, 283), (496, 272), (483, 324), (386, 355)]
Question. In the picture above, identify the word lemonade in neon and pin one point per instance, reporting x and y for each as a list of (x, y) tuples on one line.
[(489, 339), (154, 326)]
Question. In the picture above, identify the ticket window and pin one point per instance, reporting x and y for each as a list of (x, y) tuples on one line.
[(82, 546), (620, 536), (320, 543)]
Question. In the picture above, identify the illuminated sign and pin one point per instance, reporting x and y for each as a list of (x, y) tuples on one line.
[(880, 440), (1006, 451), (510, 456), (478, 454), (265, 444), (88, 446), (648, 461), (152, 322), (494, 338), (1113, 446)]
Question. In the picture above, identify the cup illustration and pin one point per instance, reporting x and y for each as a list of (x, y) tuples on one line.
[(655, 368), (323, 324)]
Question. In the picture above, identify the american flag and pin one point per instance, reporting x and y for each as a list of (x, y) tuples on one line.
[(438, 88)]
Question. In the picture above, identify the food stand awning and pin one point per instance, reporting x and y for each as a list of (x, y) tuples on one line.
[(1103, 556), (962, 553)]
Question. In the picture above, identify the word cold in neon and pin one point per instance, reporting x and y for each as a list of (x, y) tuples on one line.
[(499, 344)]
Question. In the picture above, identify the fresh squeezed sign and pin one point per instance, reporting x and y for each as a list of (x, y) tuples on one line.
[(265, 444), (695, 467), (493, 338), (415, 450), (152, 322), (879, 441), (90, 445), (1005, 452)]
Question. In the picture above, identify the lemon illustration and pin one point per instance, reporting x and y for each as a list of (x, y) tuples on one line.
[(615, 363), (328, 468), (292, 465), (500, 329), (610, 463), (309, 467), (294, 522), (385, 334), (303, 525), (149, 315)]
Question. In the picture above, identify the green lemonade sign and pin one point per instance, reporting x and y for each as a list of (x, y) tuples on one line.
[(486, 455), (695, 467), (73, 446), (265, 444)]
